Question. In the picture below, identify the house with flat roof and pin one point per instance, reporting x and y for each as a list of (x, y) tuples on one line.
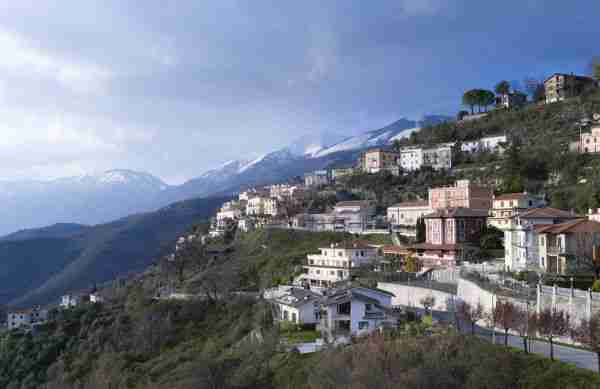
[(507, 205), (402, 217), (561, 86), (336, 263)]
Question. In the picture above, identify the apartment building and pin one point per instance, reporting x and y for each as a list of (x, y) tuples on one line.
[(521, 238), (450, 235), (317, 179), (378, 160), (286, 192), (415, 158), (353, 216), (25, 317), (493, 144), (560, 86), (335, 263), (589, 142), (403, 217), (560, 244), (507, 205), (259, 206), (463, 194), (511, 100)]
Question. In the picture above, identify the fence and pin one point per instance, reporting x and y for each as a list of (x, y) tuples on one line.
[(579, 304)]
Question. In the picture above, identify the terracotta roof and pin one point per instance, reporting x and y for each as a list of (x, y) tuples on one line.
[(511, 196), (392, 249), (409, 204), (546, 213), (570, 227), (457, 212)]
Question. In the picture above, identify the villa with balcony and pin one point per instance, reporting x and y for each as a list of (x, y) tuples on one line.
[(560, 244), (335, 263)]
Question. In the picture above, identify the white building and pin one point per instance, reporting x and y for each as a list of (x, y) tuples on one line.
[(507, 205), (403, 217), (72, 300), (245, 224), (286, 192), (297, 305), (356, 311), (25, 317), (521, 238), (335, 263), (317, 178), (353, 216), (415, 158), (314, 221), (493, 144)]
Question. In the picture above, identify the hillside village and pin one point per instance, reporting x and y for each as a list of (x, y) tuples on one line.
[(416, 237)]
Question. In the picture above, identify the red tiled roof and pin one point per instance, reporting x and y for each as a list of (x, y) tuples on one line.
[(546, 213), (510, 196), (392, 249), (408, 204), (570, 227)]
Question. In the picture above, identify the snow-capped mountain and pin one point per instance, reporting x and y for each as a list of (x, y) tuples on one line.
[(85, 199), (311, 144), (98, 198), (382, 137)]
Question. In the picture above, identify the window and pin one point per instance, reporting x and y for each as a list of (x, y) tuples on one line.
[(285, 315), (293, 317), (368, 307), (363, 325)]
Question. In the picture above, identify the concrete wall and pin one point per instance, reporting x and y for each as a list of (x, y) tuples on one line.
[(411, 295)]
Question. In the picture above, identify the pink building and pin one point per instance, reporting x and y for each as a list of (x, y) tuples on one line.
[(462, 195), (451, 235)]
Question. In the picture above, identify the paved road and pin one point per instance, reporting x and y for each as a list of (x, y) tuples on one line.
[(580, 358)]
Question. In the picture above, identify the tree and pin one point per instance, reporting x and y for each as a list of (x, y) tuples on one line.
[(502, 88), (420, 237), (485, 98), (490, 239), (594, 67), (588, 334), (505, 315), (470, 99), (427, 302), (535, 89), (526, 325), (552, 323), (411, 265), (470, 313)]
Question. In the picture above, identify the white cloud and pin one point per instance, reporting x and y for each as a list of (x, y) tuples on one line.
[(20, 56)]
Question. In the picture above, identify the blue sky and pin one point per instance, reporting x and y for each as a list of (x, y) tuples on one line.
[(174, 88)]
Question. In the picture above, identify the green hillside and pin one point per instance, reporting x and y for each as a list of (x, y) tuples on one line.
[(230, 341), (38, 270)]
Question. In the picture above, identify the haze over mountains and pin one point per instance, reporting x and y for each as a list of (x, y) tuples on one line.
[(100, 198)]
